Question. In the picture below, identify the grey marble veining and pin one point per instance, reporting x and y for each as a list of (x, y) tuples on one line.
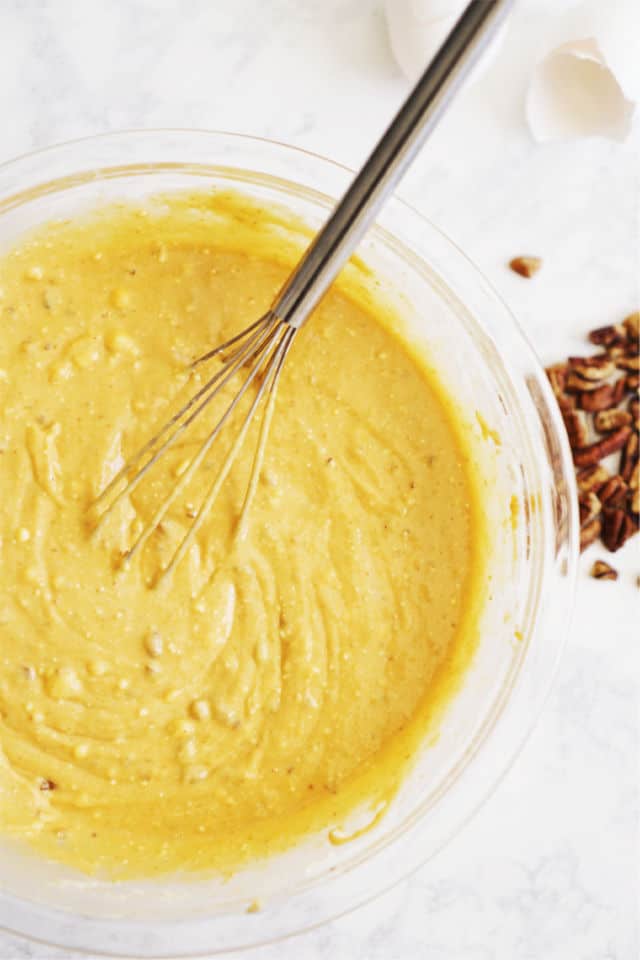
[(548, 869)]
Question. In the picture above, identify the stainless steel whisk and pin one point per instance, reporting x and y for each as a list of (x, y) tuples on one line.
[(263, 346)]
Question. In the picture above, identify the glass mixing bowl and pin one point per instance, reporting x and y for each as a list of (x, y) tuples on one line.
[(520, 452)]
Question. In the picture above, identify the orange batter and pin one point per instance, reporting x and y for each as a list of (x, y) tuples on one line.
[(285, 677)]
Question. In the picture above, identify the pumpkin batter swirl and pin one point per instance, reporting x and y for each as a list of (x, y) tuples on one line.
[(291, 669)]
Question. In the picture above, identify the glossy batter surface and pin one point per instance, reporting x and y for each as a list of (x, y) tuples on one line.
[(285, 676)]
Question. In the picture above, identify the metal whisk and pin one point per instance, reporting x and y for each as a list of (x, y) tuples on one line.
[(262, 347)]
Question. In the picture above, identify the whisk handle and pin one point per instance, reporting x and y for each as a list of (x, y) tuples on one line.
[(390, 159)]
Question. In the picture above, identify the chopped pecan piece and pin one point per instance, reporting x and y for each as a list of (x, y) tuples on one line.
[(579, 384), (603, 571), (46, 784), (629, 454), (619, 390), (597, 367), (613, 493), (594, 452), (577, 427), (590, 532), (589, 507), (525, 266), (617, 350), (592, 477), (632, 382), (632, 325), (557, 375), (617, 527), (607, 336), (566, 402), (607, 420), (629, 361), (603, 398), (634, 488)]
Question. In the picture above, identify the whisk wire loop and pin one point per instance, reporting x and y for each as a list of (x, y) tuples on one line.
[(269, 383), (262, 354), (262, 348), (205, 394)]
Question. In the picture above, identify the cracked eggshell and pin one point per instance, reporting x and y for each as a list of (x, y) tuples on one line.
[(588, 81)]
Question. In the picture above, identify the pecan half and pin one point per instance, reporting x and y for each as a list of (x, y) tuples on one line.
[(589, 507), (590, 532), (632, 325), (629, 454), (525, 266), (613, 493), (603, 398), (577, 427), (577, 383), (591, 454), (603, 571), (607, 420), (592, 477), (617, 527), (607, 336), (597, 367)]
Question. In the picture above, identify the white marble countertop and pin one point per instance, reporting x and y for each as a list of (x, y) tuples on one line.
[(549, 869)]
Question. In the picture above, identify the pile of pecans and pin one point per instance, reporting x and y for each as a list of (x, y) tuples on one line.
[(598, 398)]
